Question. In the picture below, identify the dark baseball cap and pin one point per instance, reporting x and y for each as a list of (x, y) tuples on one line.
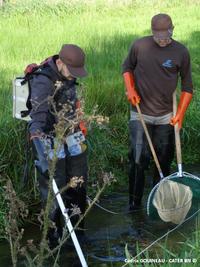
[(74, 58), (161, 25)]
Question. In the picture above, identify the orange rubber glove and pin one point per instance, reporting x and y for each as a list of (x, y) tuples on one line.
[(182, 107), (82, 123), (131, 92), (83, 128)]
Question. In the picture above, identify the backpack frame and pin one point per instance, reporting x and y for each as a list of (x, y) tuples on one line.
[(22, 88)]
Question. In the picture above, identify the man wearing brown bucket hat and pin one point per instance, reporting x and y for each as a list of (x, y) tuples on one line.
[(151, 71), (56, 78)]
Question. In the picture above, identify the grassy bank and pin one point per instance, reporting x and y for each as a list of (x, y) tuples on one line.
[(169, 251), (32, 30)]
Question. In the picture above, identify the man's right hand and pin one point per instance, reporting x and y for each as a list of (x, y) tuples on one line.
[(36, 135), (131, 92)]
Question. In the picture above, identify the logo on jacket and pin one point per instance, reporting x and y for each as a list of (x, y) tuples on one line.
[(168, 63)]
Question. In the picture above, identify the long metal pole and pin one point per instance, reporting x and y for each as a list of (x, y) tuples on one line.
[(69, 224)]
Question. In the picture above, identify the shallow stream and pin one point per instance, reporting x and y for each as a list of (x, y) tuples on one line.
[(109, 233)]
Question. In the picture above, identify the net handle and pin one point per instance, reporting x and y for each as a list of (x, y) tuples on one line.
[(149, 141), (177, 138)]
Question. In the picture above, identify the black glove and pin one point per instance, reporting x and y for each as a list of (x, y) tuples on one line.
[(42, 162)]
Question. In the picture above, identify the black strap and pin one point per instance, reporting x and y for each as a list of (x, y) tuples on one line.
[(46, 71)]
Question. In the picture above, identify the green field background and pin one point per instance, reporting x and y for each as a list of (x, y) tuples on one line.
[(30, 31)]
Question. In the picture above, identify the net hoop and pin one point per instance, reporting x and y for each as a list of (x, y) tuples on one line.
[(171, 177)]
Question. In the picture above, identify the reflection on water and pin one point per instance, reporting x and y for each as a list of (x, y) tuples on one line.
[(108, 233)]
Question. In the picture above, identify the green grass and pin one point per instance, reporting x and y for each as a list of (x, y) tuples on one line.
[(187, 250), (177, 246), (33, 30)]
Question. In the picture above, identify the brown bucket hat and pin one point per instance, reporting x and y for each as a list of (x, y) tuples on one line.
[(74, 58), (161, 25)]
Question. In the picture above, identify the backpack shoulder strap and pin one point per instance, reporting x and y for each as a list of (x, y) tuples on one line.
[(46, 71)]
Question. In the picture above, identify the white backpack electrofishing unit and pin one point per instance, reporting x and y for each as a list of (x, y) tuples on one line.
[(20, 96), (22, 90)]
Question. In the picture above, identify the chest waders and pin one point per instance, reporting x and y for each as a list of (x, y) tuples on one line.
[(66, 168), (140, 154)]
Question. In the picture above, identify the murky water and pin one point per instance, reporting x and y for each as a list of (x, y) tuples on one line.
[(109, 233)]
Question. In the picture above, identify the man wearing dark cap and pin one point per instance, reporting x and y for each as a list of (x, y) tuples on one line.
[(151, 71), (56, 79)]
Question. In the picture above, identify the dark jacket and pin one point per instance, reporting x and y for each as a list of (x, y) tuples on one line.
[(42, 114)]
